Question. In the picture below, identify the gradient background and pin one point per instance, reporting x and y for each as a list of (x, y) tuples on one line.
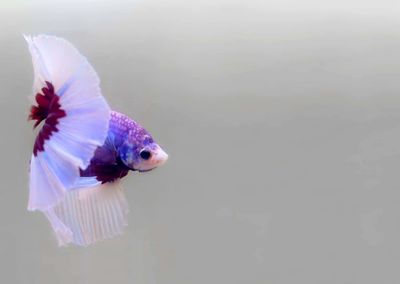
[(282, 121)]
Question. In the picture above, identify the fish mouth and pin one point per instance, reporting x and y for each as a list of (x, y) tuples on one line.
[(160, 157), (145, 171)]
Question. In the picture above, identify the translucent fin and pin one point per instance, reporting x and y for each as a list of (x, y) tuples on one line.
[(52, 172), (89, 215), (56, 60), (84, 182), (79, 132), (63, 233), (45, 187), (39, 69)]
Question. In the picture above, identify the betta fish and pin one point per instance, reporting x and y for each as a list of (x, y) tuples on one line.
[(83, 149)]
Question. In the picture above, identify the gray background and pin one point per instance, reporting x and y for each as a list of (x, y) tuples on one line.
[(282, 121)]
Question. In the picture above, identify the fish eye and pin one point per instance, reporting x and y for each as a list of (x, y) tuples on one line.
[(145, 154)]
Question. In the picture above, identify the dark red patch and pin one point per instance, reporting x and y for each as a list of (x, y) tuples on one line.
[(105, 172), (49, 110), (106, 166)]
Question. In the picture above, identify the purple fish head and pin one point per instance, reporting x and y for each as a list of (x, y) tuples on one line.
[(140, 152)]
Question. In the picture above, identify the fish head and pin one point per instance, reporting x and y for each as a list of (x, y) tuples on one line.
[(140, 152)]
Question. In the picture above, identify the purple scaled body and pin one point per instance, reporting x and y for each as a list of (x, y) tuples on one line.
[(128, 147)]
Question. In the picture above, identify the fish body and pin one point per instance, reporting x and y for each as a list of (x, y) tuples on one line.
[(83, 148), (123, 151)]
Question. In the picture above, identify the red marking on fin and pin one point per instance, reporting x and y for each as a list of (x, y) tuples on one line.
[(49, 110)]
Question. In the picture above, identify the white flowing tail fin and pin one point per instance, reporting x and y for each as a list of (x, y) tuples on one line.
[(88, 215), (75, 119)]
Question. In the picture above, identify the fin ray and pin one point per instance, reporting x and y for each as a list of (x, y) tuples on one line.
[(90, 214)]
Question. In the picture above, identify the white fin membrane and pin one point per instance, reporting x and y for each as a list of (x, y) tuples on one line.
[(55, 170), (88, 215)]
